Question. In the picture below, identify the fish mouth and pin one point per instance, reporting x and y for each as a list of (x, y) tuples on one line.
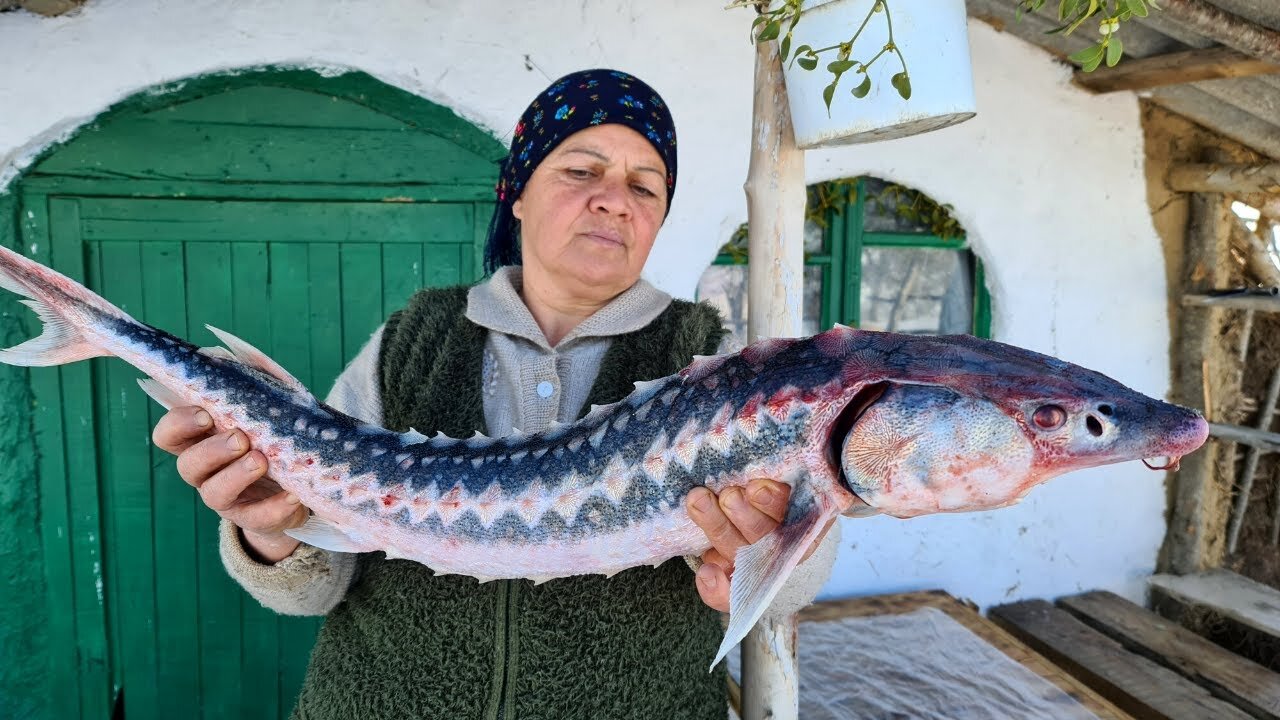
[(1171, 463)]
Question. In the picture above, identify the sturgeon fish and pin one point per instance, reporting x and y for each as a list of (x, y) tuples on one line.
[(856, 422)]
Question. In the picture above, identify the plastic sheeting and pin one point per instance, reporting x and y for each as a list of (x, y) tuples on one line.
[(921, 664)]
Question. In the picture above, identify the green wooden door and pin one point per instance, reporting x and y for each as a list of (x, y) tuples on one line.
[(292, 210)]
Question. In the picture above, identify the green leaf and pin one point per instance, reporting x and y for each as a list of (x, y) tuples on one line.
[(1138, 7), (1114, 49), (808, 63), (1093, 54), (828, 92), (839, 66), (786, 46), (902, 82), (1067, 8), (802, 50), (770, 31), (863, 88)]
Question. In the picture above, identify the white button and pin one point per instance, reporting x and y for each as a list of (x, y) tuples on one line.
[(545, 389)]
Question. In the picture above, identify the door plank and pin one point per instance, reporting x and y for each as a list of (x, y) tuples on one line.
[(177, 507), (209, 293), (259, 633), (125, 429), (55, 503), (93, 657), (362, 309)]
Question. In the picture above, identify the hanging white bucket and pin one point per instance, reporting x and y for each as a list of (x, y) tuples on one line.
[(933, 38)]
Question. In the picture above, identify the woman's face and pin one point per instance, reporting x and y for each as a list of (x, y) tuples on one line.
[(590, 212)]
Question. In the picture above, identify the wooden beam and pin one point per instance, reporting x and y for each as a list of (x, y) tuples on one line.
[(1227, 28), (1265, 303), (1253, 437), (1224, 178), (1242, 682), (1173, 69)]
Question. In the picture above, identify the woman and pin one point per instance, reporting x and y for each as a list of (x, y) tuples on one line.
[(564, 322)]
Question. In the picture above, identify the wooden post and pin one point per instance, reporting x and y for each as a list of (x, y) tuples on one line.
[(775, 283), (1200, 502)]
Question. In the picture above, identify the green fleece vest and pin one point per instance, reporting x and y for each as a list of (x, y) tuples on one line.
[(407, 644)]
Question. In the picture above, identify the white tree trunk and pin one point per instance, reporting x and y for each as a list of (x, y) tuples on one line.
[(775, 292)]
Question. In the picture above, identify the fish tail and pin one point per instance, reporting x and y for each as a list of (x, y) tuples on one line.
[(69, 312)]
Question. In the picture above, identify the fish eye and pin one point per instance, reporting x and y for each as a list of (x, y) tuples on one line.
[(1049, 417)]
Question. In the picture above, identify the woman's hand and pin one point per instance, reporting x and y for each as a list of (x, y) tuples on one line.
[(739, 516), (231, 480)]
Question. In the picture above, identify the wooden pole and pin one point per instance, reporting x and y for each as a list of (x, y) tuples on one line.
[(1227, 28), (1227, 178), (775, 282), (1265, 415), (1200, 504)]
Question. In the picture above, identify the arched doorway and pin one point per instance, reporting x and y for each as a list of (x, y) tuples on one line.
[(292, 209)]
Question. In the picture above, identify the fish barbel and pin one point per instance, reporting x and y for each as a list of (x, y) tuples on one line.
[(856, 422)]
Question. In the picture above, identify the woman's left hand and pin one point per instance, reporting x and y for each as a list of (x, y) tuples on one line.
[(739, 516)]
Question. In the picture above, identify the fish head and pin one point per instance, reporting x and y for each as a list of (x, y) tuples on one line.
[(956, 424)]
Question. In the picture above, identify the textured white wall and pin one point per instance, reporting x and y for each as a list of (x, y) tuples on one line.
[(1047, 180)]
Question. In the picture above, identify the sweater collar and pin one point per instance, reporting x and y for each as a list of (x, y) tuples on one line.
[(496, 304)]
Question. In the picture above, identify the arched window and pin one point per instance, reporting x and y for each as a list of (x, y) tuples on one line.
[(878, 256)]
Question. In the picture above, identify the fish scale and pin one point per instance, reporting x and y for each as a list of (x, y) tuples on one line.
[(856, 422)]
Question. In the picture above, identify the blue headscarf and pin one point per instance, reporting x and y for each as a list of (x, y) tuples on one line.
[(574, 102)]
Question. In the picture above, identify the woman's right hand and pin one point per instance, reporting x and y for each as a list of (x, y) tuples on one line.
[(232, 480)]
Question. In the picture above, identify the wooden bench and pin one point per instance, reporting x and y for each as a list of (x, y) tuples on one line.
[(1148, 666)]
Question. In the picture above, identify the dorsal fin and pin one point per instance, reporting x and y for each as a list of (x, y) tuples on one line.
[(255, 358)]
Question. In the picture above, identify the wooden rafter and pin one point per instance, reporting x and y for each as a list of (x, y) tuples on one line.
[(1174, 69), (1227, 28), (1225, 178)]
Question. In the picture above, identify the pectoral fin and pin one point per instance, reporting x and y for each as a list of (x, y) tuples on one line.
[(760, 569), (323, 534)]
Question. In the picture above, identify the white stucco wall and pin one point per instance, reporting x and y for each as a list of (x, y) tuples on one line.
[(1047, 180)]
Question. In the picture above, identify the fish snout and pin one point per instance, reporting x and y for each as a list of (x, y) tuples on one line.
[(1163, 430)]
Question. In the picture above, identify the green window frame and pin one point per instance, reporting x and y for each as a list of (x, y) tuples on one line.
[(845, 237)]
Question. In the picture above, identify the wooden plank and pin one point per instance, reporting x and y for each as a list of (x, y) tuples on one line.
[(272, 105), (1139, 686), (209, 300), (145, 149), (443, 266), (361, 295), (1228, 594), (126, 432), (1173, 69), (293, 192), (294, 301), (108, 219), (176, 508), (93, 653), (48, 421), (324, 277), (289, 309), (402, 269), (967, 615), (1264, 303), (259, 640), (1243, 683)]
